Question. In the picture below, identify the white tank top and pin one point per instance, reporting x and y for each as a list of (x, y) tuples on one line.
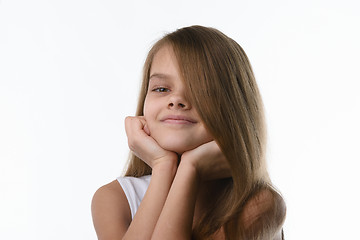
[(134, 189)]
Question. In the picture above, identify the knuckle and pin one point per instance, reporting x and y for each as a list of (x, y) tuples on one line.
[(127, 119)]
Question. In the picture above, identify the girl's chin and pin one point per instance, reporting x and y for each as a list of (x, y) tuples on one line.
[(179, 149)]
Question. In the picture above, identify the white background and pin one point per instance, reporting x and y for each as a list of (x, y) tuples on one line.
[(70, 73)]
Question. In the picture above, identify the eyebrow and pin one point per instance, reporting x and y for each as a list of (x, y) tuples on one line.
[(159, 75)]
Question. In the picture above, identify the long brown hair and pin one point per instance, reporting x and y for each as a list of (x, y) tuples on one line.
[(223, 89)]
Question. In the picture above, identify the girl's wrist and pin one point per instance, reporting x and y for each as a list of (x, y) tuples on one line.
[(189, 169), (165, 166)]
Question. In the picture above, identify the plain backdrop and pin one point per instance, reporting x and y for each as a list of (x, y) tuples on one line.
[(70, 73)]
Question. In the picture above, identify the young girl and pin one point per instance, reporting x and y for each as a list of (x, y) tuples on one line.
[(198, 140)]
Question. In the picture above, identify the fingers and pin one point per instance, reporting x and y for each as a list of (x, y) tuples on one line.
[(134, 127), (145, 126), (142, 144), (146, 129)]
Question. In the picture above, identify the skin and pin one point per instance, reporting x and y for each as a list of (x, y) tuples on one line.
[(177, 192)]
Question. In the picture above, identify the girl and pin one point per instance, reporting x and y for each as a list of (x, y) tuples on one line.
[(197, 169)]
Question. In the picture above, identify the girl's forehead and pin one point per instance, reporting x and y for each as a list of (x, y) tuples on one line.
[(164, 64), (164, 53)]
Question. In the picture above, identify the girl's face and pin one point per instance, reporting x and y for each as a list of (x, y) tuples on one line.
[(170, 117)]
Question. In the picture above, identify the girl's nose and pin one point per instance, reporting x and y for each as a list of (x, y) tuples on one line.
[(178, 102), (180, 105)]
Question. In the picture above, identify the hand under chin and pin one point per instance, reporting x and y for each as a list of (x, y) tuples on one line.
[(179, 142), (179, 147)]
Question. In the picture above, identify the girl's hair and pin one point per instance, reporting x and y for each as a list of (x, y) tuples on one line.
[(222, 88)]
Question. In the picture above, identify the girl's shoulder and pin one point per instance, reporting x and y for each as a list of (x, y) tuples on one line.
[(265, 209), (110, 210), (134, 189)]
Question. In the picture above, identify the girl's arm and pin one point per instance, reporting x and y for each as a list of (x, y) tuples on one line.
[(203, 163), (176, 219), (111, 212), (146, 217)]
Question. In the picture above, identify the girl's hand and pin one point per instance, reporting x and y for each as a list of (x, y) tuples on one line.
[(143, 145), (208, 160)]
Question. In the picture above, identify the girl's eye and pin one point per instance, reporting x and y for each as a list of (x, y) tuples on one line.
[(161, 89)]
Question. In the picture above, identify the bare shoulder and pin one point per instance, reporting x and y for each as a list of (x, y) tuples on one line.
[(110, 211), (266, 209)]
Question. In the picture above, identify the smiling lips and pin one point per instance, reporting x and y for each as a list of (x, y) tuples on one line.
[(178, 119)]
